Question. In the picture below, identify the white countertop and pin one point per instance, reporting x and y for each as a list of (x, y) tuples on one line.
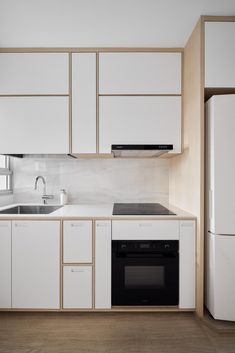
[(96, 211)]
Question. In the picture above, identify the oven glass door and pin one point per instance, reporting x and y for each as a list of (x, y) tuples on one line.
[(145, 280)]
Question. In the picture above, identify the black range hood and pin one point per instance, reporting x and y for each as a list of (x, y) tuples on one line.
[(143, 151)]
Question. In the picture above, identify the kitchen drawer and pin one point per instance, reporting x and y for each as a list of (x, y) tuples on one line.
[(142, 230), (77, 287), (77, 242)]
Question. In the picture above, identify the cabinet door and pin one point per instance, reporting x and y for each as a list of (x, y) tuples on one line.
[(77, 287), (103, 265), (34, 125), (34, 73), (36, 264), (219, 54), (140, 73), (187, 266), (139, 120), (84, 102), (77, 241), (5, 264)]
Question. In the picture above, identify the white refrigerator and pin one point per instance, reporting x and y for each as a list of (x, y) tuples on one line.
[(220, 207)]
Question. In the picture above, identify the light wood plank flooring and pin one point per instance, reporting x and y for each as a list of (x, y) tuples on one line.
[(110, 333)]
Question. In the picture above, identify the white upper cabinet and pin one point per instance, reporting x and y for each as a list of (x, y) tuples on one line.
[(34, 125), (84, 103), (219, 54), (34, 73), (140, 73), (139, 120)]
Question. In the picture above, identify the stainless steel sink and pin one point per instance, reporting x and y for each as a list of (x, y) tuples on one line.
[(30, 209)]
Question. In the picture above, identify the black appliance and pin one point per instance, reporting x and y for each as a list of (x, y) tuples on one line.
[(145, 272), (146, 209)]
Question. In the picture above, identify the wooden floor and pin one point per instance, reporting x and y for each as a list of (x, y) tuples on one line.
[(111, 333)]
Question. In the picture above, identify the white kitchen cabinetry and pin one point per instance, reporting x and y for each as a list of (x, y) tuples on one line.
[(77, 289), (77, 241), (219, 54), (36, 264), (103, 248), (140, 73), (34, 73), (84, 103), (34, 125), (139, 120), (187, 268), (5, 264), (141, 230)]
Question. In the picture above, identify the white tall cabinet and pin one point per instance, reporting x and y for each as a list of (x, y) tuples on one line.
[(5, 264), (36, 264)]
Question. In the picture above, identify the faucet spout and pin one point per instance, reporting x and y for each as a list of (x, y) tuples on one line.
[(43, 181)]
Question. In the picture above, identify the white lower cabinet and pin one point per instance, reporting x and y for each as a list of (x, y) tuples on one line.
[(36, 264), (77, 287), (103, 248), (77, 241), (187, 265), (5, 264)]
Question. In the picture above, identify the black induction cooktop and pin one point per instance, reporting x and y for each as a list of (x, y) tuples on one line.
[(140, 209)]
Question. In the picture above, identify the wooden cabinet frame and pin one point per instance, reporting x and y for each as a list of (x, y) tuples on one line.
[(187, 171), (96, 51)]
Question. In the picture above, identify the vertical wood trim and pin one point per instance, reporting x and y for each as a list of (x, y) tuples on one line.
[(182, 101), (61, 264), (70, 104), (97, 103), (93, 262), (201, 243), (187, 169)]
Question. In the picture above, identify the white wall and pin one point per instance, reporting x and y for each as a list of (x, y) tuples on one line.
[(94, 181), (161, 23)]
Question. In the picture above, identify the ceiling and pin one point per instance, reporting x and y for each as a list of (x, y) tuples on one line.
[(68, 23)]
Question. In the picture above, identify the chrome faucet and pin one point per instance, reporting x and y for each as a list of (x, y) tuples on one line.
[(45, 197)]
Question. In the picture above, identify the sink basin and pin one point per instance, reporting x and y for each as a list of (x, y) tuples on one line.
[(42, 209)]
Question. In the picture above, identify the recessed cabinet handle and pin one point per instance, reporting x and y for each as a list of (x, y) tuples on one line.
[(102, 225), (77, 270), (21, 225), (77, 224), (145, 224)]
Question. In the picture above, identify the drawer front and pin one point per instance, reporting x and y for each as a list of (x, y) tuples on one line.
[(142, 230), (77, 242), (140, 73), (77, 287)]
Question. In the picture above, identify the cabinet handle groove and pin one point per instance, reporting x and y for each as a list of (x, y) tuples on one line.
[(77, 270)]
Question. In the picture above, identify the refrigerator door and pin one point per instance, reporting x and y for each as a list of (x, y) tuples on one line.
[(221, 164), (220, 284)]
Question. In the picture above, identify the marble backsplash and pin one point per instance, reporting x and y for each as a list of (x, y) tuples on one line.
[(93, 180)]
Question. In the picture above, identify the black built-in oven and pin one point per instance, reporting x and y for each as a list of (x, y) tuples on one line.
[(145, 272)]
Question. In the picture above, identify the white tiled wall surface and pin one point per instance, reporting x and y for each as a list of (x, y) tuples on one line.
[(93, 180)]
